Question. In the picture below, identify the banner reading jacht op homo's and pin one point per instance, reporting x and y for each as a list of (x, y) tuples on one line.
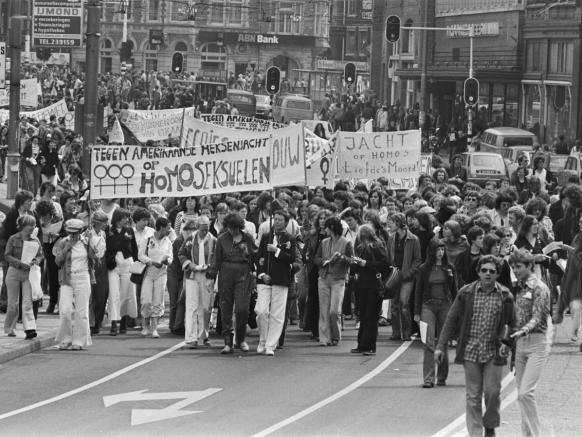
[(393, 155)]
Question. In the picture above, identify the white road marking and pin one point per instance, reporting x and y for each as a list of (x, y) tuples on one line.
[(141, 416), (456, 427), (92, 384), (350, 388)]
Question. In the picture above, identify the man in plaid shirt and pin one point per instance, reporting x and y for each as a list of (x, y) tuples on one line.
[(481, 313)]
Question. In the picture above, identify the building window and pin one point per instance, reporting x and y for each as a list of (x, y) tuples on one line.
[(561, 57), (407, 38), (106, 53), (217, 11), (213, 57), (352, 8), (182, 47), (351, 46), (235, 12), (456, 54), (288, 18), (151, 57), (118, 8), (154, 10), (533, 105), (364, 49), (321, 17), (534, 55)]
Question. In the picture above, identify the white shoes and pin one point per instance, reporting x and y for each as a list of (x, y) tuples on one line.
[(269, 352), (155, 334), (261, 349), (244, 346)]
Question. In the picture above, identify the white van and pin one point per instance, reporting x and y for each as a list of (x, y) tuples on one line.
[(291, 107)]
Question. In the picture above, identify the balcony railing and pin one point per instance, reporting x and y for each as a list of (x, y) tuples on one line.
[(445, 8)]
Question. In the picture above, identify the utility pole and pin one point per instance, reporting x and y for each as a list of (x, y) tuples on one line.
[(423, 73), (17, 26), (92, 65)]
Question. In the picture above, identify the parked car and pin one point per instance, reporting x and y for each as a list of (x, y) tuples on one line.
[(264, 108), (292, 107), (495, 140), (245, 102), (482, 167), (572, 167)]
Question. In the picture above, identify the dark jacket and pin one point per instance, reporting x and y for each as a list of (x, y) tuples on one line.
[(123, 242), (412, 258), (459, 320), (276, 264), (227, 251), (466, 265), (422, 288), (376, 258)]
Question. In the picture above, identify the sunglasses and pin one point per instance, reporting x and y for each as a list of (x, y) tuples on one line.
[(508, 235), (471, 199), (492, 271)]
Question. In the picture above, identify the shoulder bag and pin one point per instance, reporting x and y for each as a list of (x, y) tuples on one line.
[(138, 268)]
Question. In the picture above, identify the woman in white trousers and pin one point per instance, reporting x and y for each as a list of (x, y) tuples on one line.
[(156, 254), (120, 254), (75, 255), (195, 256)]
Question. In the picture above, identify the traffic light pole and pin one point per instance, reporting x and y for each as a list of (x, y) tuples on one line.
[(92, 65)]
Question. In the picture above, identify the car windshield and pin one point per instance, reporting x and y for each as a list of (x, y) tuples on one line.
[(487, 161), (517, 141), (263, 99), (557, 162), (240, 99)]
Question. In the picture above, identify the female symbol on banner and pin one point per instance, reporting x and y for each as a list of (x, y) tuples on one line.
[(324, 166), (114, 172)]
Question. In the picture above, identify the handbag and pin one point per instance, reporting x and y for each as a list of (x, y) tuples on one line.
[(137, 268), (34, 277)]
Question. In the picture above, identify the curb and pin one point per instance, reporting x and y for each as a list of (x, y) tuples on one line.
[(26, 347)]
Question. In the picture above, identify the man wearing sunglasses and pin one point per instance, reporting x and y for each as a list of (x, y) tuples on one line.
[(481, 312)]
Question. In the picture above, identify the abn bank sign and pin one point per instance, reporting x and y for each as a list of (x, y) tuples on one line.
[(265, 39)]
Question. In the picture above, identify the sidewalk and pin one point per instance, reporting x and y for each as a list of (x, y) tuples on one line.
[(557, 395), (14, 347)]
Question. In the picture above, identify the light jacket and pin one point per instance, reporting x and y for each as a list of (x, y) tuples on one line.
[(337, 269), (63, 259), (13, 252), (188, 253)]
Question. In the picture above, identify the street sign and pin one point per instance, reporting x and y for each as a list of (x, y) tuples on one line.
[(57, 23), (2, 65)]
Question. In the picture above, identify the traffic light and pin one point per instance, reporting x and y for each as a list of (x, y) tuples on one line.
[(350, 75), (392, 28), (471, 91), (126, 51), (177, 62), (273, 80)]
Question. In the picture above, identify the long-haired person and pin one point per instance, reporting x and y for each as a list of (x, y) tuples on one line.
[(333, 258), (120, 254), (528, 239), (371, 259), (17, 277), (156, 254), (436, 288), (312, 243), (532, 308), (76, 255), (233, 263)]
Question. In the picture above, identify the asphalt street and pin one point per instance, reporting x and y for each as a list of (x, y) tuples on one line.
[(128, 385)]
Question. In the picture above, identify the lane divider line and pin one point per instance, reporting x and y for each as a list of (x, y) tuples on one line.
[(350, 388), (92, 384), (452, 429)]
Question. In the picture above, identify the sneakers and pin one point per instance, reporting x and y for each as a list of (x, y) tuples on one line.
[(192, 344), (145, 332), (261, 349), (269, 352), (244, 346), (226, 350), (155, 334)]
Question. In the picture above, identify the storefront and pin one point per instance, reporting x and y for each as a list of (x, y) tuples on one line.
[(240, 52)]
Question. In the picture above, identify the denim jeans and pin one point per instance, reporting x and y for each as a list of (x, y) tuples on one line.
[(531, 355), (15, 280), (331, 295), (401, 320), (434, 314), (482, 379), (198, 304)]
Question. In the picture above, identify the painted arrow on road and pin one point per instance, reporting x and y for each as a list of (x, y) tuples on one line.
[(141, 416)]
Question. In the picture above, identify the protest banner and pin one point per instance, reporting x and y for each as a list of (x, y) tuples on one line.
[(393, 155), (116, 134), (28, 94), (288, 156), (196, 132), (241, 122), (156, 125), (58, 109), (134, 171), (318, 160), (311, 125)]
